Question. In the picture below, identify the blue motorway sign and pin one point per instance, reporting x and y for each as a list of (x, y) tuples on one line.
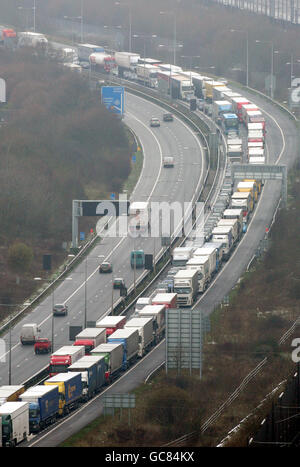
[(113, 98)]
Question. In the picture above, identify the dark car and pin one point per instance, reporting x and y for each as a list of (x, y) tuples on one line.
[(168, 117), (118, 283), (105, 267), (60, 309)]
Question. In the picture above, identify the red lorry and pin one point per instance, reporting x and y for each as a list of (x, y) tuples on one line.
[(167, 299), (111, 323), (62, 358), (91, 338), (7, 35)]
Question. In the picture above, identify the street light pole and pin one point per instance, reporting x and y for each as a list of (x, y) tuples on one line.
[(34, 16), (174, 32), (272, 64), (130, 21), (9, 358), (272, 70), (247, 52), (85, 293), (81, 22)]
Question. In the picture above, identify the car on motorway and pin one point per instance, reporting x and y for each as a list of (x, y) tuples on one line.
[(105, 267), (168, 161), (42, 345), (118, 283), (167, 117), (154, 121), (60, 309)]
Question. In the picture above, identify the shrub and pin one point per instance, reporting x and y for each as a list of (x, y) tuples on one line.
[(20, 257)]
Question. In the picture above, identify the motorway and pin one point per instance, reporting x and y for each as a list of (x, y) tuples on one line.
[(282, 139), (155, 184)]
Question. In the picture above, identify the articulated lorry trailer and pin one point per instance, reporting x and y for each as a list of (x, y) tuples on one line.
[(70, 390), (145, 329), (92, 369), (10, 393), (15, 423), (129, 338), (43, 406), (90, 338)]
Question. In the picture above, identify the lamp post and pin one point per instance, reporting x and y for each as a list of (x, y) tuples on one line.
[(81, 21), (144, 37), (72, 18), (190, 57), (52, 315), (272, 64), (174, 31), (130, 21), (85, 285), (21, 8), (247, 52), (34, 15)]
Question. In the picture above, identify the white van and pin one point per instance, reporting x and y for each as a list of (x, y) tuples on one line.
[(29, 333)]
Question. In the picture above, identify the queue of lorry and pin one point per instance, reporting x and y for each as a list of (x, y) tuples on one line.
[(101, 354)]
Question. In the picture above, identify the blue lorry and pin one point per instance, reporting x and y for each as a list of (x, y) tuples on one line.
[(70, 390), (43, 406), (92, 369)]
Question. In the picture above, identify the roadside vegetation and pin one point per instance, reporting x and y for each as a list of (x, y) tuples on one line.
[(261, 308), (204, 31), (59, 144)]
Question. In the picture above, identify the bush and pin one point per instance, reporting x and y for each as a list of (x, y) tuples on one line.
[(20, 257)]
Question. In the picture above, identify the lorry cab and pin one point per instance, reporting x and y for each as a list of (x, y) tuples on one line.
[(137, 259)]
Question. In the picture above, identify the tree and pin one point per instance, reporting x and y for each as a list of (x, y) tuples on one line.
[(20, 257)]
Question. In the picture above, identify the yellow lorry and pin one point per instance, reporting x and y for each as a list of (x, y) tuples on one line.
[(250, 187)]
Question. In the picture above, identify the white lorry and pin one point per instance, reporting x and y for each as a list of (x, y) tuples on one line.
[(243, 201), (126, 63), (223, 234), (181, 255), (147, 75), (85, 50), (186, 286), (235, 228), (257, 160), (129, 337), (235, 150), (234, 214), (15, 422), (158, 313), (139, 218), (200, 264), (145, 329), (32, 39), (211, 253), (142, 302), (29, 333)]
